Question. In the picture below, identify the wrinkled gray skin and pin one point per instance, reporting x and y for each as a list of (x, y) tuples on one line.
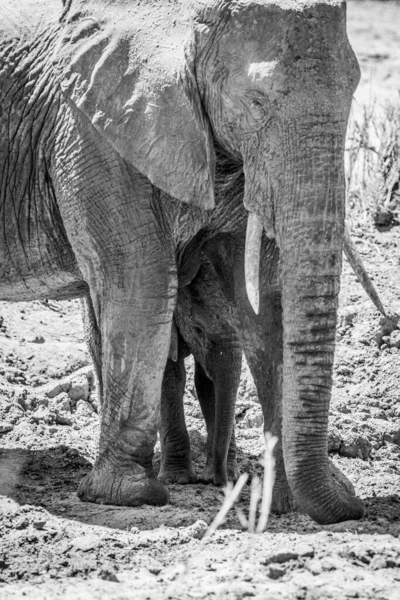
[(214, 305), (207, 327), (111, 114)]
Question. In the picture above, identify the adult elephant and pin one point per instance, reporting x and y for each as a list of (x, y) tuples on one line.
[(105, 104)]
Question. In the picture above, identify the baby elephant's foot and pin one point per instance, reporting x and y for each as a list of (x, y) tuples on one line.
[(221, 476), (135, 486), (182, 476)]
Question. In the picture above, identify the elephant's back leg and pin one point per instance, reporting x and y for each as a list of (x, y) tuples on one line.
[(176, 466), (217, 391)]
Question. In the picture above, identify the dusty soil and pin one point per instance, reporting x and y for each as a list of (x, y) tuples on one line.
[(54, 546)]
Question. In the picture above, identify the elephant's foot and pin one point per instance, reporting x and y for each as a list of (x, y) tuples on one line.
[(182, 476), (208, 475), (132, 486), (282, 498), (220, 476)]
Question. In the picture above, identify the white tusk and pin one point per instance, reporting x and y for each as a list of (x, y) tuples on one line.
[(252, 260), (358, 267)]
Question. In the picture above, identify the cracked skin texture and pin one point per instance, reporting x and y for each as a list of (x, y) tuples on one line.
[(109, 121)]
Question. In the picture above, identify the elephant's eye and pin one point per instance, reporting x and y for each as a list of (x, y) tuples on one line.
[(258, 107)]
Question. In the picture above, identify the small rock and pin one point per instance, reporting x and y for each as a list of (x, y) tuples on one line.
[(330, 564), (64, 405), (334, 439), (344, 370), (20, 523), (107, 575), (275, 571), (253, 418), (84, 409), (79, 392), (305, 550), (347, 316), (198, 529), (41, 401), (61, 387), (355, 445), (394, 340), (315, 567), (39, 524), (154, 566), (38, 339), (62, 418), (85, 543), (42, 414), (343, 408), (378, 562), (281, 557), (5, 427)]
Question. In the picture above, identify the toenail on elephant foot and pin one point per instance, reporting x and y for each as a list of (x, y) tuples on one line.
[(126, 488), (341, 479), (181, 477)]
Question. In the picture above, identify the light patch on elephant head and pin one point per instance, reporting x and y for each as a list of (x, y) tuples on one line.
[(262, 71)]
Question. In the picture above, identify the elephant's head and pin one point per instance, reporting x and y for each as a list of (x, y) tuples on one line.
[(276, 81), (271, 84)]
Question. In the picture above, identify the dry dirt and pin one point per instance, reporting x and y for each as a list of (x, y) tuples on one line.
[(54, 546)]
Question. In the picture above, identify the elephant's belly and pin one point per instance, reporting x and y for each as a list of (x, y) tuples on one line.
[(25, 282), (60, 286), (37, 264)]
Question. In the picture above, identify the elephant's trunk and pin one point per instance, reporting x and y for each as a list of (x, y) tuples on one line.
[(309, 224)]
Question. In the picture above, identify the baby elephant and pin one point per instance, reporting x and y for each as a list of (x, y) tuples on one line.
[(203, 326)]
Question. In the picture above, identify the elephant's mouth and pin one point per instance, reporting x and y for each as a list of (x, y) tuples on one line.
[(252, 264)]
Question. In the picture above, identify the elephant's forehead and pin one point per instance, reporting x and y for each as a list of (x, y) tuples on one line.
[(264, 31), (267, 45)]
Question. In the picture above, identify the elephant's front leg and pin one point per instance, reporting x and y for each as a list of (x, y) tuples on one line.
[(262, 344), (135, 314), (217, 391)]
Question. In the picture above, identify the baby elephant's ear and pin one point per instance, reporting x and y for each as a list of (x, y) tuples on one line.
[(147, 107)]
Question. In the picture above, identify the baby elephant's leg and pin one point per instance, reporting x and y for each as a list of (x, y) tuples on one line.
[(176, 466), (217, 393)]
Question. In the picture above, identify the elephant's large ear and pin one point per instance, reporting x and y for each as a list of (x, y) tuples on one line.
[(138, 91)]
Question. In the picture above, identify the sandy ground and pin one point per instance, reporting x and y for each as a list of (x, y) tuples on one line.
[(54, 546)]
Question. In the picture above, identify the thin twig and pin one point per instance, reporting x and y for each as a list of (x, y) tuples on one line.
[(230, 498), (268, 484), (255, 497)]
